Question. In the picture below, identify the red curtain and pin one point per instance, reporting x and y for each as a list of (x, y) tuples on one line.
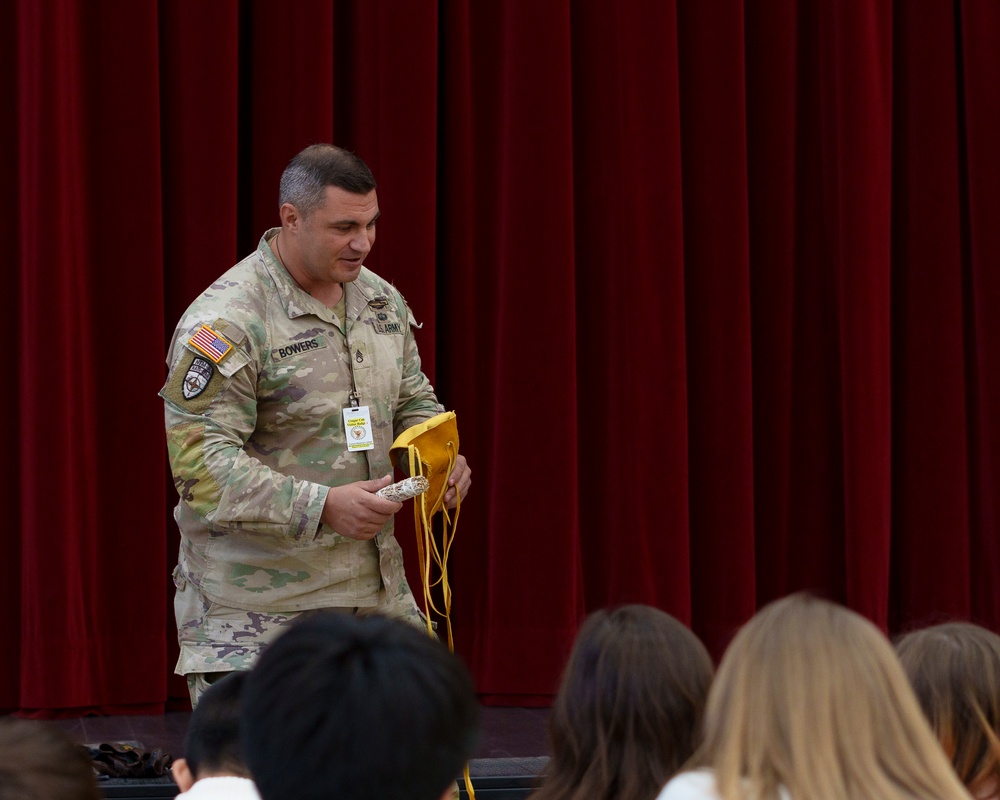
[(710, 286)]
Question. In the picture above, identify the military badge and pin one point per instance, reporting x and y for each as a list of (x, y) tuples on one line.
[(383, 324), (197, 377)]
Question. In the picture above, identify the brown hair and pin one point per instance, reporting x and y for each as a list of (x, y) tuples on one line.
[(955, 671), (629, 707), (304, 181), (39, 761), (811, 697)]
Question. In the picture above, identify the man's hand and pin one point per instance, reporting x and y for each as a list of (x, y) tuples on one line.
[(461, 479), (354, 511)]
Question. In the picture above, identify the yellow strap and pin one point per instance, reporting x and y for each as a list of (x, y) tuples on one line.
[(428, 552)]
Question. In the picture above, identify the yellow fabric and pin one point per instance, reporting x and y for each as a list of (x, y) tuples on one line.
[(431, 449), (434, 444)]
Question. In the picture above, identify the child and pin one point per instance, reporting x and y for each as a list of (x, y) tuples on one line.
[(213, 768)]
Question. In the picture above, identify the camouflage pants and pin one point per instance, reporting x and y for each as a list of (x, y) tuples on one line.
[(216, 640)]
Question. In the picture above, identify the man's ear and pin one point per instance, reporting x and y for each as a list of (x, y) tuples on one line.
[(181, 773), (290, 217)]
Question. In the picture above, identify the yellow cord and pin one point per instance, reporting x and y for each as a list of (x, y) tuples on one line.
[(428, 552)]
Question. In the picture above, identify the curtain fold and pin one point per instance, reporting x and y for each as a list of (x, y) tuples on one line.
[(710, 288), (979, 127), (931, 478), (717, 308), (87, 205)]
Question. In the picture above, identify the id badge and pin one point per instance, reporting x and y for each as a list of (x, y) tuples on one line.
[(358, 429)]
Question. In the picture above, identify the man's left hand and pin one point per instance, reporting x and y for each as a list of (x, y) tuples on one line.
[(460, 480)]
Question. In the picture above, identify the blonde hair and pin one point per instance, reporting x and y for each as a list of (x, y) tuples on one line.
[(954, 669), (811, 697)]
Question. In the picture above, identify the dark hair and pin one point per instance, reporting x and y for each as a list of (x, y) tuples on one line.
[(629, 708), (369, 708), (304, 181), (212, 745), (39, 761), (954, 669)]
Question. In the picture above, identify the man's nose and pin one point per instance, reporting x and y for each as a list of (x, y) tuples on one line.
[(361, 241)]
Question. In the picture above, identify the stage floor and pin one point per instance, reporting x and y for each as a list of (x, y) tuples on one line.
[(506, 732)]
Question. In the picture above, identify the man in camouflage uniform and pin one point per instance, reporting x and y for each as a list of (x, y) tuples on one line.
[(278, 513)]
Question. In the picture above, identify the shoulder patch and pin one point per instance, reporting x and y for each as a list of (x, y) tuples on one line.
[(212, 344), (197, 378), (193, 384)]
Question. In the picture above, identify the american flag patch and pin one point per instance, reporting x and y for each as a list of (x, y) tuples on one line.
[(210, 343)]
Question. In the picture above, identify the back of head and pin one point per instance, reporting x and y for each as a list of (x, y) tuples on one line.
[(954, 669), (212, 746), (811, 696), (629, 707), (370, 708), (304, 181), (38, 761)]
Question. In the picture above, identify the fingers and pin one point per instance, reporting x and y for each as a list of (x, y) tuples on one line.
[(353, 510), (460, 482)]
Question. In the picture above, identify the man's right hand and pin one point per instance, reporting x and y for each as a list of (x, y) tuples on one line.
[(353, 510)]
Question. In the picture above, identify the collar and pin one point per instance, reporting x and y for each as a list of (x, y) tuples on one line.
[(298, 302)]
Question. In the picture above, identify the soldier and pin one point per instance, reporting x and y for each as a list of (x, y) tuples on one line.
[(290, 376)]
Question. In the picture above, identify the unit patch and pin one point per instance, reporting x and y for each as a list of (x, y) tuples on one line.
[(194, 383), (197, 377)]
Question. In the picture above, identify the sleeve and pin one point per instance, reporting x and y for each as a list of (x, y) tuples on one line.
[(210, 413), (417, 401)]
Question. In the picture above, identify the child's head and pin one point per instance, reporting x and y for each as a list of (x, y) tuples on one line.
[(628, 711), (212, 748), (39, 760), (810, 696), (955, 671), (360, 707)]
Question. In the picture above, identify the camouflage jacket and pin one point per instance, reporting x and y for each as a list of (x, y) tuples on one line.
[(255, 434)]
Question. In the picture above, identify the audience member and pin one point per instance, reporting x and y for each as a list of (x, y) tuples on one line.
[(366, 708), (955, 670), (213, 767), (810, 702), (39, 761), (629, 707)]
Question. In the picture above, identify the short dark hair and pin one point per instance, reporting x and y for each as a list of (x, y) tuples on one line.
[(628, 712), (304, 181), (39, 761), (212, 745), (371, 708)]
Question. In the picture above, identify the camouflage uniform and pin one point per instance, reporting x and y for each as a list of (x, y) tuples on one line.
[(255, 439)]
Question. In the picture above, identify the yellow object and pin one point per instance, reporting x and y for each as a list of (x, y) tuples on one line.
[(430, 449)]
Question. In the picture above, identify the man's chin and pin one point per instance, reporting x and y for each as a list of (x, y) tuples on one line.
[(348, 271)]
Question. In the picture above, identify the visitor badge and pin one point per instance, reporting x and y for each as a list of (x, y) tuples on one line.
[(358, 429)]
